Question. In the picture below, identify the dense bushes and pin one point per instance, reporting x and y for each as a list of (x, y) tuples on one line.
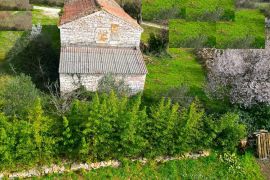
[(256, 117), (105, 126), (158, 43), (48, 2), (38, 59), (110, 127), (17, 95), (28, 141)]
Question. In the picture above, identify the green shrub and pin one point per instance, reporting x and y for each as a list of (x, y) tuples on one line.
[(26, 142), (39, 60), (158, 43), (229, 15), (107, 127), (48, 2), (228, 132), (256, 117), (109, 83), (17, 96), (160, 127)]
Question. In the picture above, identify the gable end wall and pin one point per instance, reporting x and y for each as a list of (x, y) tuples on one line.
[(84, 31)]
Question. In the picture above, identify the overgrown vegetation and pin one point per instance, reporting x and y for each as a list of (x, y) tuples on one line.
[(104, 127), (204, 168), (38, 128)]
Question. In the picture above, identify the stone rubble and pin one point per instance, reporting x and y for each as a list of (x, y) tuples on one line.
[(67, 166)]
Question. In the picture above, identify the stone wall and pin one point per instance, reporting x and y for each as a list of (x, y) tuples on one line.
[(70, 82), (100, 29), (68, 167)]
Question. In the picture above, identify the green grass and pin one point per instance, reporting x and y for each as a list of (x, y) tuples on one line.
[(146, 33), (202, 168), (197, 8), (183, 33), (153, 9), (248, 23), (7, 41), (9, 38), (39, 17), (194, 9), (166, 73), (247, 31)]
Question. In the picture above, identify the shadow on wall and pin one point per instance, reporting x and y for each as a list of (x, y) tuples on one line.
[(37, 57)]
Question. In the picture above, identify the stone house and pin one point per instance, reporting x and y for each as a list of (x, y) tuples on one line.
[(97, 38)]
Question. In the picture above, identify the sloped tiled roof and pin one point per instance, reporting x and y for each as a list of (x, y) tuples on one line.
[(75, 9), (99, 60)]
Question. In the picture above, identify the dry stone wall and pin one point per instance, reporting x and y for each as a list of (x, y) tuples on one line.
[(100, 29), (66, 167)]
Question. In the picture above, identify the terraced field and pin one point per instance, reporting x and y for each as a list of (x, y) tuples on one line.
[(247, 31), (187, 9)]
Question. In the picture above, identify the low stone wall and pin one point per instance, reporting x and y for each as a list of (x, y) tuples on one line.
[(71, 82), (66, 167)]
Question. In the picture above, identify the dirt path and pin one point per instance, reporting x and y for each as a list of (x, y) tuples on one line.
[(49, 11), (154, 25), (265, 168)]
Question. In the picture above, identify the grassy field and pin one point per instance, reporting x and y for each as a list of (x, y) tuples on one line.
[(7, 41), (170, 72), (156, 9), (195, 9), (189, 9), (39, 17), (9, 38), (202, 168), (248, 24), (191, 34), (247, 31)]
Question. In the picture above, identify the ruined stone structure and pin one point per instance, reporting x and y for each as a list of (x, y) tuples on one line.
[(97, 38)]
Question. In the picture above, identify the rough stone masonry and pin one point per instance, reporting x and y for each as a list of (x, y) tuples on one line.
[(103, 40)]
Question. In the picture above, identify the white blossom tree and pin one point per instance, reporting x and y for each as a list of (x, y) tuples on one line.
[(241, 75)]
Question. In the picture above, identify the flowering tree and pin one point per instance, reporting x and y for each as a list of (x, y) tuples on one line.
[(241, 75)]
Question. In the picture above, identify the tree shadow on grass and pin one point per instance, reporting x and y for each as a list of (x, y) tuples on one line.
[(38, 58)]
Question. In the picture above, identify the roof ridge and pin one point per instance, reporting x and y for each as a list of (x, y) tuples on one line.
[(74, 9)]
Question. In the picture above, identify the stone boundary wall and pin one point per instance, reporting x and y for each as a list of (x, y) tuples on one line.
[(66, 167)]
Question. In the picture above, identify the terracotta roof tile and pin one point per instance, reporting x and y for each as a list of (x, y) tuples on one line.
[(79, 8)]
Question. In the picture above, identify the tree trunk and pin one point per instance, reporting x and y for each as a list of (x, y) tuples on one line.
[(139, 18)]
